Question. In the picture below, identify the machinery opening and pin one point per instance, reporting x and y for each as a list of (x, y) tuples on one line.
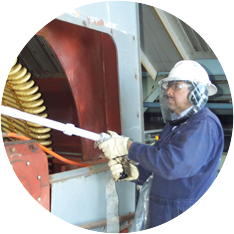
[(73, 71)]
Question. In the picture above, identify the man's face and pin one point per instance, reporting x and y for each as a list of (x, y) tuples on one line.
[(177, 93)]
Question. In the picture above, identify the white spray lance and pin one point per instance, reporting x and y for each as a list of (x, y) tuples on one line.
[(68, 129)]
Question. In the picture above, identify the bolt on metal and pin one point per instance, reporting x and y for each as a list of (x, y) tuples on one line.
[(12, 150)]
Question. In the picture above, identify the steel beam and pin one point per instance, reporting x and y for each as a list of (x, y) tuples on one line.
[(220, 106)]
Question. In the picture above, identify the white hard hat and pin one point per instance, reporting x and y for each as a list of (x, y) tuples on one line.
[(192, 71)]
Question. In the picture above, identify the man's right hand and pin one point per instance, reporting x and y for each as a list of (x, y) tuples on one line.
[(120, 164), (114, 147)]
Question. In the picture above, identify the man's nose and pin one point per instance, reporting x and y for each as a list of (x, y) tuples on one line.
[(169, 91)]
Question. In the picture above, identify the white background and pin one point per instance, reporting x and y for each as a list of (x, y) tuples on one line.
[(20, 20)]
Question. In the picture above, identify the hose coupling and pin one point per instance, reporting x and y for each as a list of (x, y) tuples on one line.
[(103, 137)]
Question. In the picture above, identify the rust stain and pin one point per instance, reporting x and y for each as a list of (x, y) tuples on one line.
[(99, 23), (95, 21)]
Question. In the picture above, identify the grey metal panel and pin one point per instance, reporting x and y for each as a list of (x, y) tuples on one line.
[(224, 106), (81, 199), (110, 14), (155, 40), (224, 92), (79, 196), (212, 66)]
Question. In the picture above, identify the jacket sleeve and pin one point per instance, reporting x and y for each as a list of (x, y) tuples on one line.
[(180, 156), (143, 175)]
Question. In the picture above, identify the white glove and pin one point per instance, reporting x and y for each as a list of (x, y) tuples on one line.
[(115, 146), (121, 164)]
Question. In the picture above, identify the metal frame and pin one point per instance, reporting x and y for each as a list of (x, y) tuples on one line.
[(78, 196), (105, 17)]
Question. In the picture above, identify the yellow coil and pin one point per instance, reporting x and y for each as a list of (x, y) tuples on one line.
[(15, 62), (34, 125), (12, 100), (36, 110), (10, 96), (10, 104), (29, 98), (22, 80), (18, 74), (24, 124), (15, 69), (32, 104), (28, 92), (13, 125), (43, 115), (39, 130), (44, 143), (20, 93), (21, 87)]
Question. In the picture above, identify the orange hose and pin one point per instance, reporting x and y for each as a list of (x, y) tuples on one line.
[(21, 137)]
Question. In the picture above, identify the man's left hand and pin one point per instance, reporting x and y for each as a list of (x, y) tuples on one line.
[(115, 146)]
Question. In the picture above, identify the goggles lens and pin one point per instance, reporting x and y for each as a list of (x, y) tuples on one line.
[(175, 85)]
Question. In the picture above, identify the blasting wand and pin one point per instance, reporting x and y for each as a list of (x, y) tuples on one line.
[(68, 129)]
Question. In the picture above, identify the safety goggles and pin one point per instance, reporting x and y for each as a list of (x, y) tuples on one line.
[(175, 85)]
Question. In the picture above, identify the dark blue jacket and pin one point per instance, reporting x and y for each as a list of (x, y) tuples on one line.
[(184, 162)]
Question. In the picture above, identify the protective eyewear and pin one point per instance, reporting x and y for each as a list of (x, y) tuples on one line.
[(175, 86)]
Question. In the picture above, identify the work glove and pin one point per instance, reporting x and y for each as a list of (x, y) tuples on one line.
[(115, 146), (121, 164)]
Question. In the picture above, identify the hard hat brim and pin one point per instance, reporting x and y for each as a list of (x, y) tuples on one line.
[(212, 90)]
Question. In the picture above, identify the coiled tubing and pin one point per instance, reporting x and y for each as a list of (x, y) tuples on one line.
[(21, 93)]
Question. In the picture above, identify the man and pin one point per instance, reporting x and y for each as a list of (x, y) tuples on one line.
[(184, 161)]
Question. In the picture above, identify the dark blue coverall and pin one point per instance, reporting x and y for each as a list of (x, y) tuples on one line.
[(184, 163)]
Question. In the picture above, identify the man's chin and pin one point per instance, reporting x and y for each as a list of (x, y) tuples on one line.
[(171, 108)]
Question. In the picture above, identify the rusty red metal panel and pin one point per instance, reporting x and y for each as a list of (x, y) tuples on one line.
[(60, 107), (31, 167), (111, 84), (89, 60)]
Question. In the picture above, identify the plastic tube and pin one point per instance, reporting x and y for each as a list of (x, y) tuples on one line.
[(112, 203), (21, 137), (68, 129)]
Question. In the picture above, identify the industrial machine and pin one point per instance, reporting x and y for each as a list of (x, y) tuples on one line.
[(85, 69), (69, 73), (74, 70)]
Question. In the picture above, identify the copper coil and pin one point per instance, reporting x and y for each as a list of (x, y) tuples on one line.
[(22, 80), (36, 110), (26, 131), (24, 124), (18, 74), (10, 104), (29, 98), (20, 93), (21, 87), (28, 92), (44, 143), (15, 69)]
